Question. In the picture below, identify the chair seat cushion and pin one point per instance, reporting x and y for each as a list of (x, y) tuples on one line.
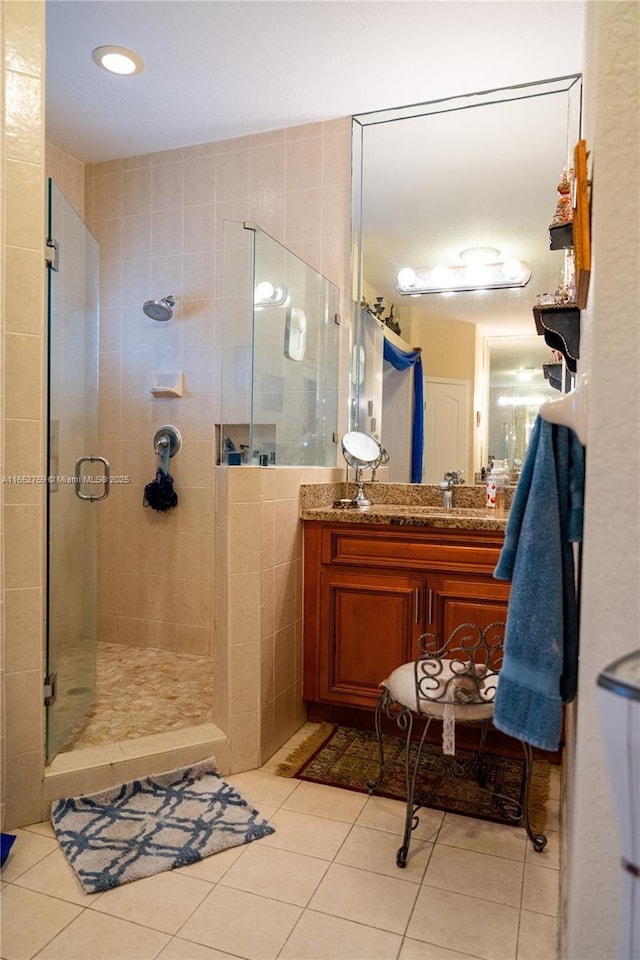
[(401, 685)]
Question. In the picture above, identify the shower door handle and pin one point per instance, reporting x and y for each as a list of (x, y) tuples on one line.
[(106, 478)]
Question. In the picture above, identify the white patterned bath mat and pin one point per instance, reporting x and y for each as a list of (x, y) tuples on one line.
[(153, 824)]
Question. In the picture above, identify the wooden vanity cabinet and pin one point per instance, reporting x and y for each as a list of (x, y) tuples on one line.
[(371, 590)]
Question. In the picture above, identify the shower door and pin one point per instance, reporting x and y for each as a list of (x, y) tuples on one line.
[(75, 483)]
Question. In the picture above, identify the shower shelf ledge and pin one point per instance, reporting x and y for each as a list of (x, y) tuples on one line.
[(168, 385)]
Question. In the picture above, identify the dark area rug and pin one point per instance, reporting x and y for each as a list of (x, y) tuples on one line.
[(344, 757)]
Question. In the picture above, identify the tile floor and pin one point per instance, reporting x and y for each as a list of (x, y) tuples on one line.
[(324, 886)]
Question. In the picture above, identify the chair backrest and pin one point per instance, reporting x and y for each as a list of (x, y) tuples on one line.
[(462, 669)]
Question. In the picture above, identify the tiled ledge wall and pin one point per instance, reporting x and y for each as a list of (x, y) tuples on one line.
[(258, 671)]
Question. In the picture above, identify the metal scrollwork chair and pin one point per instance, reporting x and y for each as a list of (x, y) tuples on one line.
[(454, 681)]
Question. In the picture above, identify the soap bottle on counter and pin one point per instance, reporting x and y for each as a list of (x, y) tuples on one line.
[(497, 483)]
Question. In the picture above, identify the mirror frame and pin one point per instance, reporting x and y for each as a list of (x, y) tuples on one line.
[(536, 88)]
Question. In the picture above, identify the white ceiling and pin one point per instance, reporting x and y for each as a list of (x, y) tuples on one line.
[(216, 69)]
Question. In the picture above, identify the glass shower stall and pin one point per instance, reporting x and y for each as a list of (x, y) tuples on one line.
[(280, 340)]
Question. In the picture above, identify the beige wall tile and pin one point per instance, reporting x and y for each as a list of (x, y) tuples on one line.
[(167, 188), (23, 365), (162, 634), (24, 294), (200, 228), (284, 659), (23, 629), (133, 632), (288, 543), (193, 603), (244, 682), (22, 788), (243, 608), (199, 179), (23, 545), (244, 734), (108, 233), (303, 131), (23, 130), (244, 486), (244, 542), (107, 196), (23, 458), (23, 693), (303, 215), (304, 164), (195, 640), (284, 586), (232, 174), (24, 37), (136, 190)]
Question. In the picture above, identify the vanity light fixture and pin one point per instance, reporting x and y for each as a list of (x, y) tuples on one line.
[(267, 294), (118, 60), (475, 275)]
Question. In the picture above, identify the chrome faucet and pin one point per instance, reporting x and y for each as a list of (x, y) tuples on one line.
[(451, 479)]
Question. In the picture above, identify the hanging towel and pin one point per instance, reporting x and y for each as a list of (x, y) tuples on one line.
[(539, 671), (159, 494)]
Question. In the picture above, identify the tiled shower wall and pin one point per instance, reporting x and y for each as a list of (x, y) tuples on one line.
[(22, 163), (159, 220)]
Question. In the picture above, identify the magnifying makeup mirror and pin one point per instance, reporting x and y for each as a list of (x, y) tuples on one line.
[(362, 450)]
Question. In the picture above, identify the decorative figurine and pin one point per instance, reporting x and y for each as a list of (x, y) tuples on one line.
[(564, 210)]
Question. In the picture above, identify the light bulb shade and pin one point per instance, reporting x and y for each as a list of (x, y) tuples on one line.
[(267, 294), (407, 277)]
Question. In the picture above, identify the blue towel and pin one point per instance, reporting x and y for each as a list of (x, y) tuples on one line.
[(540, 665), (7, 840)]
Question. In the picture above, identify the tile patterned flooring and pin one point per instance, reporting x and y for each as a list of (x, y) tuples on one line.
[(142, 691), (324, 886)]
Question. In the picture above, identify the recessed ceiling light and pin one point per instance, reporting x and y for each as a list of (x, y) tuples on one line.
[(118, 60)]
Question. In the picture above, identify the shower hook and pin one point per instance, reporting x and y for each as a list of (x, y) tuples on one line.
[(167, 441)]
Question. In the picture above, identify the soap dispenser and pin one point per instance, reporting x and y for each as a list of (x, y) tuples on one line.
[(497, 482)]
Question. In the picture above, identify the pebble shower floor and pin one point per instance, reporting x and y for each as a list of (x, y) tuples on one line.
[(142, 691)]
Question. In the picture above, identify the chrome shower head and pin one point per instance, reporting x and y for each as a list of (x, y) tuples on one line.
[(160, 309)]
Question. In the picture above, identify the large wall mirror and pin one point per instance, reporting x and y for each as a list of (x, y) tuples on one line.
[(438, 186)]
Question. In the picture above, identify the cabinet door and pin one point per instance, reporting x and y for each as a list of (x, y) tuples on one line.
[(453, 601), (369, 625)]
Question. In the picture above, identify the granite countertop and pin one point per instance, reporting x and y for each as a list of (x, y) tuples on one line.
[(405, 505)]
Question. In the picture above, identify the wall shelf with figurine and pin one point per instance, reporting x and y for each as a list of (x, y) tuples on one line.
[(557, 315)]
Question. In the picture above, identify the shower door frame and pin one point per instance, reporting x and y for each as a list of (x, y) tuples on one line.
[(72, 487)]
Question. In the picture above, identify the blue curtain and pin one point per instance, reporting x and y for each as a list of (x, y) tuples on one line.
[(402, 360)]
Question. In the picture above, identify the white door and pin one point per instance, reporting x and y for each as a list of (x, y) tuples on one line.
[(446, 428)]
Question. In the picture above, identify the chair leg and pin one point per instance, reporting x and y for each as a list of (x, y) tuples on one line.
[(481, 776), (372, 785), (538, 840), (411, 820)]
